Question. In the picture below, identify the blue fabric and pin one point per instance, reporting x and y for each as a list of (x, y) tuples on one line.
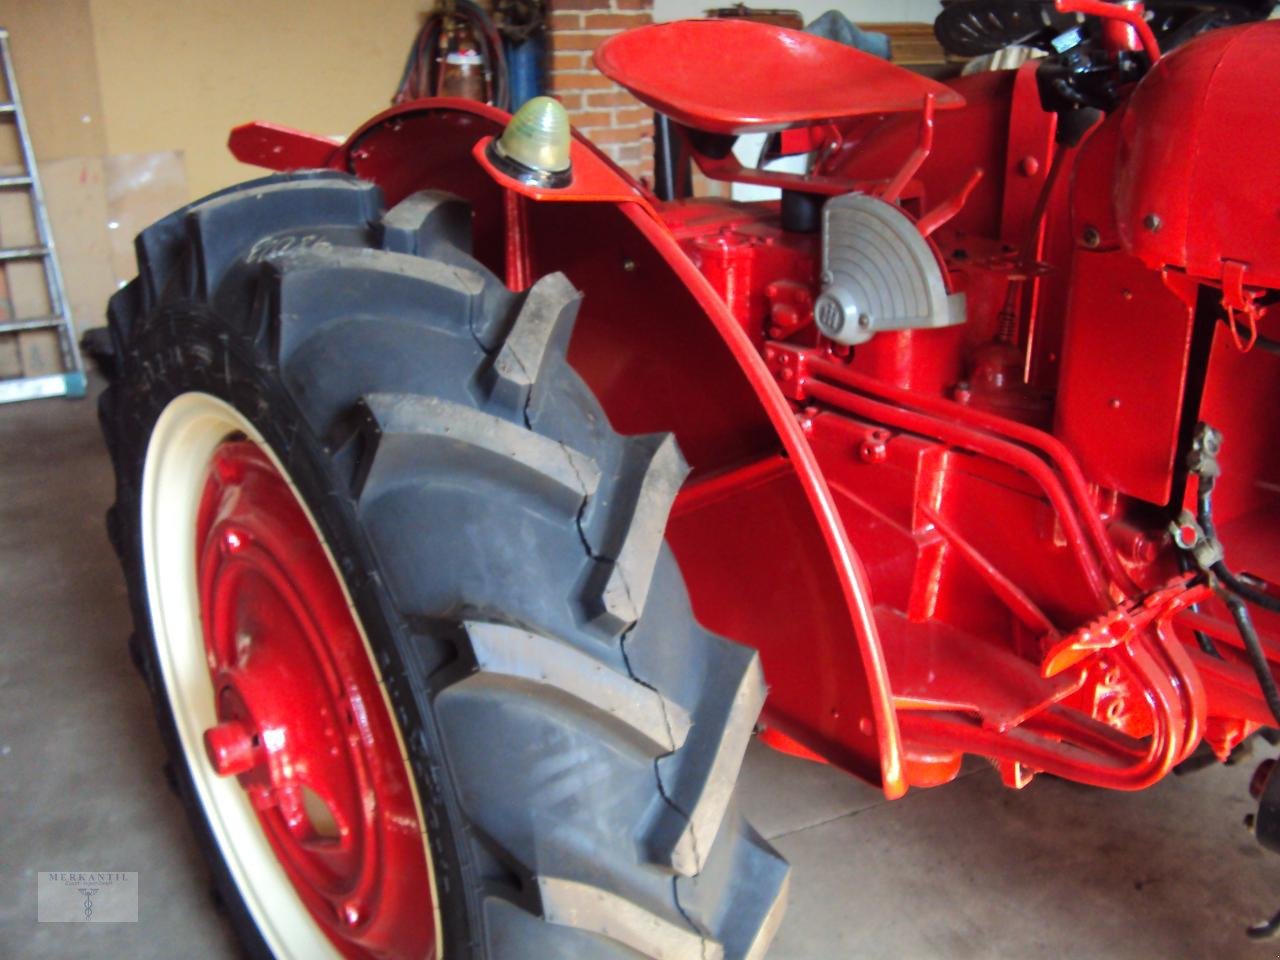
[(834, 25), (524, 68)]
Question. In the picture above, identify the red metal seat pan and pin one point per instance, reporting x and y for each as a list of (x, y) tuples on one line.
[(737, 76)]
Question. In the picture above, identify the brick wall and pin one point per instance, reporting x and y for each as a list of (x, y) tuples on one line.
[(613, 119)]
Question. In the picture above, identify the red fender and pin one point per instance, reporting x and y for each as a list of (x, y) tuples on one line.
[(1197, 179), (756, 531)]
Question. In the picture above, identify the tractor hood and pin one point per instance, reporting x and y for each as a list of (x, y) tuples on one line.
[(1198, 172)]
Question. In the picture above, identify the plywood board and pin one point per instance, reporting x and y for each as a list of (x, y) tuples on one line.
[(26, 294), (75, 192), (10, 361), (141, 188), (39, 353)]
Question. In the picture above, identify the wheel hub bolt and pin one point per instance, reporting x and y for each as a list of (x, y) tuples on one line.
[(230, 747), (232, 542)]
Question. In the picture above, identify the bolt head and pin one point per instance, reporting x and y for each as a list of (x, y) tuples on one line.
[(233, 541), (872, 451), (229, 747)]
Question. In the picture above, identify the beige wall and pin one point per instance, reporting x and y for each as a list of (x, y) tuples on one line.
[(161, 75), (120, 95), (179, 74), (52, 46)]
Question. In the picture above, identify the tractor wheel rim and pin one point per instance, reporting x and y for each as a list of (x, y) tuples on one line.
[(285, 723)]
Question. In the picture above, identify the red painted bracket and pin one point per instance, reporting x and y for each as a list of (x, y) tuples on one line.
[(275, 147), (594, 180)]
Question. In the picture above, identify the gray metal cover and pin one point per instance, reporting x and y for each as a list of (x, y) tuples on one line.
[(878, 273)]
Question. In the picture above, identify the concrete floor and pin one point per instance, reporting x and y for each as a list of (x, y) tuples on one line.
[(969, 870)]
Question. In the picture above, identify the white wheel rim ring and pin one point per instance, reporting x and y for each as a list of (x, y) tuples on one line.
[(179, 452)]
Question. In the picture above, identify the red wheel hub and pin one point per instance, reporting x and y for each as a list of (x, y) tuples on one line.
[(302, 722)]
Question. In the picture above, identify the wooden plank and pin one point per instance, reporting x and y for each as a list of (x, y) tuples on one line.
[(913, 44)]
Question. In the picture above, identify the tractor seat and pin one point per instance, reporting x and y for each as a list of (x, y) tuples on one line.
[(739, 76)]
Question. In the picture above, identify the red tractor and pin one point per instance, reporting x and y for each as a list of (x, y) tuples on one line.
[(474, 503)]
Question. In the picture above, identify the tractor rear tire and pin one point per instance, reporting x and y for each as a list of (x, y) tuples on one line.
[(571, 735)]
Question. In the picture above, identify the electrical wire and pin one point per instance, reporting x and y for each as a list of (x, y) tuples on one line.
[(1235, 598), (1204, 516), (423, 68), (1253, 646), (1203, 640), (1244, 589), (415, 80)]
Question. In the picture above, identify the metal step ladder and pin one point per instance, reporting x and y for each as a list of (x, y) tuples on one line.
[(71, 382)]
